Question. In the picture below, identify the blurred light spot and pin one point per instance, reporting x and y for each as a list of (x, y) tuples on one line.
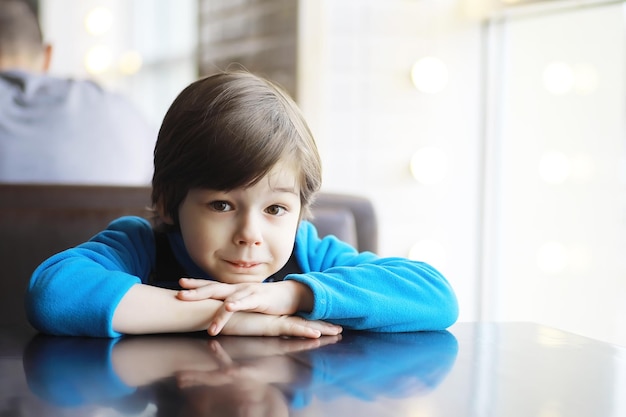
[(429, 251), (99, 21), (425, 409), (558, 78), (130, 62), (548, 336), (429, 165), (429, 75), (98, 59), (554, 167), (552, 257)]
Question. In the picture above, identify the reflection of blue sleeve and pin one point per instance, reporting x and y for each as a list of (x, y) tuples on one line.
[(73, 371), (371, 365)]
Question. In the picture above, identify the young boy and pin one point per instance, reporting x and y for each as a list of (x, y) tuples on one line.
[(235, 172)]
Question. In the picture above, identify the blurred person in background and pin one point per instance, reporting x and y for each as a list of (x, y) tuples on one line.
[(58, 130)]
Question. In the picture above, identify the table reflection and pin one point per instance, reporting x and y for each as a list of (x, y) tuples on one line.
[(195, 375)]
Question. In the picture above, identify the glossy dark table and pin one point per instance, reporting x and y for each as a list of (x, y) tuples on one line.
[(506, 369)]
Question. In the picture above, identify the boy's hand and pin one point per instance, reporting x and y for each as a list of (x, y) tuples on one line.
[(278, 298), (254, 324)]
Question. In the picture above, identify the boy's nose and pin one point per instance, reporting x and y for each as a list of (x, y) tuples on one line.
[(249, 231)]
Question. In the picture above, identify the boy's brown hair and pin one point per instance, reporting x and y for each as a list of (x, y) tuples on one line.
[(227, 131)]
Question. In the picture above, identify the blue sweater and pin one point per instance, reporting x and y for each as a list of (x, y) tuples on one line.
[(76, 292)]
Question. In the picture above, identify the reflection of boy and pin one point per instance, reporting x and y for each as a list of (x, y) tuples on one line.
[(236, 170), (183, 374), (194, 374)]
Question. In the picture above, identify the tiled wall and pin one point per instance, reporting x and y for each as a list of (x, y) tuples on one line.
[(356, 89)]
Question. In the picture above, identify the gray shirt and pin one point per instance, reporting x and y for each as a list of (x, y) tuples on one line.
[(55, 130)]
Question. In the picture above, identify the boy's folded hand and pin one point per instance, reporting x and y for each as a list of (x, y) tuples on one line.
[(277, 298)]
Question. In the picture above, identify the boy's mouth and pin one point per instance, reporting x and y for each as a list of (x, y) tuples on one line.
[(243, 264)]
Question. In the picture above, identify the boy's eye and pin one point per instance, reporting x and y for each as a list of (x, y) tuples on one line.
[(275, 210), (219, 206)]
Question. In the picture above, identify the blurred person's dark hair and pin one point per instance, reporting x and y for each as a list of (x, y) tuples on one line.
[(21, 39)]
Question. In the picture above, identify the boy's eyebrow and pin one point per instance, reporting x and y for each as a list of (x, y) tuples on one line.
[(286, 189)]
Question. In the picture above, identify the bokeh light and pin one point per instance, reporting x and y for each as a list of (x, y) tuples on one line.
[(98, 59), (99, 21), (429, 75), (429, 165), (130, 62)]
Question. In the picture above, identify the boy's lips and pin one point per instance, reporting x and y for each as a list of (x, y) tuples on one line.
[(244, 264)]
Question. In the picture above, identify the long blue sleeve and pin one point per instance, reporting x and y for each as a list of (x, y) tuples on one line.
[(76, 292), (365, 292)]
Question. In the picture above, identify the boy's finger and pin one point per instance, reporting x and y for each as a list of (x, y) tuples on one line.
[(219, 321), (299, 330), (243, 301), (327, 329), (215, 291), (191, 283), (221, 355)]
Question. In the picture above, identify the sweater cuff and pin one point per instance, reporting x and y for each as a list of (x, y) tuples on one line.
[(321, 301)]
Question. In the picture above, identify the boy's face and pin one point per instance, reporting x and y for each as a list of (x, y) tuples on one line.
[(246, 234)]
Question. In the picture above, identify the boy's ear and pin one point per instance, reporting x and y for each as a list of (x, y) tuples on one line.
[(165, 218)]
